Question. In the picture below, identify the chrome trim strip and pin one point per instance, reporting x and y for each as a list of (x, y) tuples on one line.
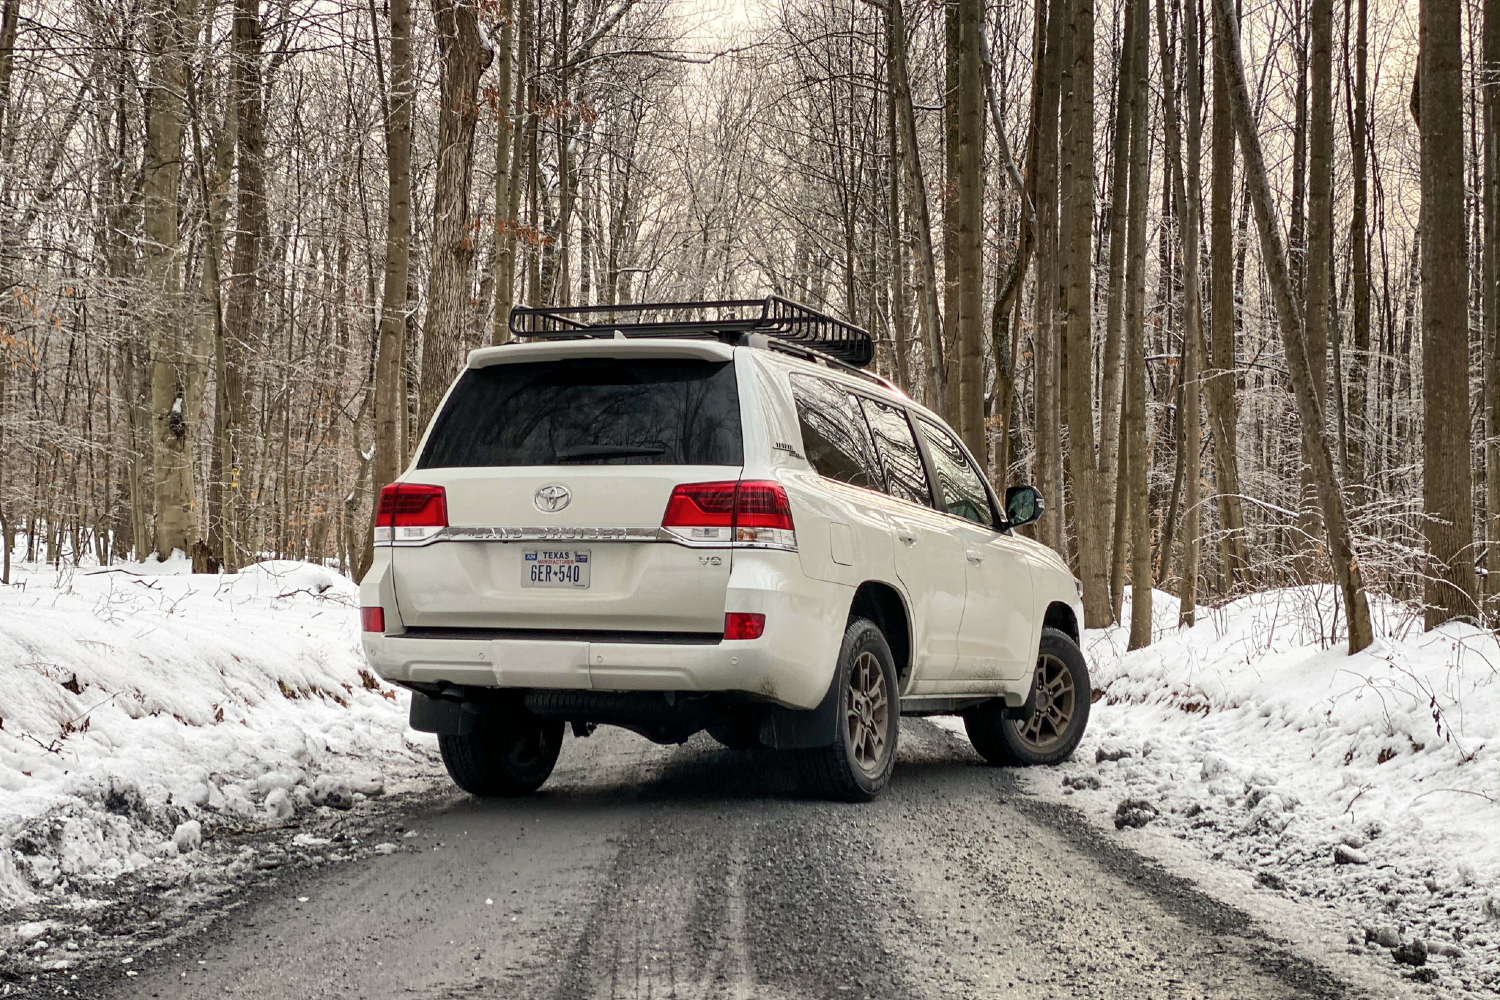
[(551, 533), (557, 533)]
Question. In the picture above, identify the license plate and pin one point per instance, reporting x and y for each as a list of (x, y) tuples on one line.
[(555, 568)]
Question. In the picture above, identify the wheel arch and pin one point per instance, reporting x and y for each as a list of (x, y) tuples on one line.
[(1061, 617), (883, 604)]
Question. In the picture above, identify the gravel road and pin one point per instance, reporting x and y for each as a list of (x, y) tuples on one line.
[(693, 872)]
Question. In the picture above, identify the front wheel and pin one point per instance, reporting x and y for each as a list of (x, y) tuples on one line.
[(508, 753), (1060, 689), (858, 764)]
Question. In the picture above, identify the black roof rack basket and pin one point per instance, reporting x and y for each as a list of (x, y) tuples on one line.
[(729, 320)]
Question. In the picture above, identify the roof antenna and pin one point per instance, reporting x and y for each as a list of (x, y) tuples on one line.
[(620, 335)]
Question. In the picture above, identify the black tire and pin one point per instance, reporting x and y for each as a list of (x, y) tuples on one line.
[(738, 730), (858, 764), (1051, 733), (510, 752)]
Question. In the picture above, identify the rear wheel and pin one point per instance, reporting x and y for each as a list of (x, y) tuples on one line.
[(858, 764), (508, 753), (1060, 690)]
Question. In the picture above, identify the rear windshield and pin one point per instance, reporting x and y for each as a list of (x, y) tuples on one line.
[(590, 411)]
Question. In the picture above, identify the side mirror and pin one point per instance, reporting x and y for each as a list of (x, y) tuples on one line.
[(1023, 504)]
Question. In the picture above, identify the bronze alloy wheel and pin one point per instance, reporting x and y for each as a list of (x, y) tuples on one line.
[(868, 714), (1056, 700)]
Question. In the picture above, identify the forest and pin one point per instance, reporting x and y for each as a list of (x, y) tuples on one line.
[(1221, 279)]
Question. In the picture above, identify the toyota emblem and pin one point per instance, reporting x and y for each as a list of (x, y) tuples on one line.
[(552, 499)]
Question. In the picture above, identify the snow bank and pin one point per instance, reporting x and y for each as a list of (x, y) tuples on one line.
[(1370, 782), (141, 706)]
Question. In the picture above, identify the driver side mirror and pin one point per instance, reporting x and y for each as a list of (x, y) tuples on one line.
[(1023, 504)]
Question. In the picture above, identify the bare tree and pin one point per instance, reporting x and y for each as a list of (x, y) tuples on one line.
[(1490, 296), (1447, 481), (1136, 389), (390, 406), (968, 181), (1314, 430), (1219, 385), (463, 58), (175, 374)]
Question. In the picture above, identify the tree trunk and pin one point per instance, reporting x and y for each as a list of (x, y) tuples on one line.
[(1186, 202), (215, 158), (968, 229), (172, 370), (1048, 417), (897, 278), (463, 57), (1289, 317), (505, 223), (1491, 294), (1307, 504), (244, 281), (1077, 186), (1223, 408), (1359, 239), (1136, 455), (932, 326), (1317, 280), (1447, 481), (1112, 481), (390, 377)]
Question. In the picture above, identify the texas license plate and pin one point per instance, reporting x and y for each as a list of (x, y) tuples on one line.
[(555, 568)]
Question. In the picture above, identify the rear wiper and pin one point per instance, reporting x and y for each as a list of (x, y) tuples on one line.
[(588, 451)]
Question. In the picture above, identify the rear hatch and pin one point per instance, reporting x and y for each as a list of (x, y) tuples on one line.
[(556, 473)]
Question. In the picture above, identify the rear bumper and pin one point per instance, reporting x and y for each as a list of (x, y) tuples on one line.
[(790, 665)]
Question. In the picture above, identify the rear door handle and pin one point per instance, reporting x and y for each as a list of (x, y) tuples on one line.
[(974, 556), (909, 539)]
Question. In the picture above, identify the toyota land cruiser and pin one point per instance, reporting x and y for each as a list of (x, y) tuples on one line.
[(707, 516)]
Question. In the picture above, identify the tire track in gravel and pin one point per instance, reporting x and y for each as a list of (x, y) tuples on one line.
[(739, 889)]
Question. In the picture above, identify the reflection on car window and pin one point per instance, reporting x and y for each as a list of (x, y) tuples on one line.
[(834, 433), (590, 411), (897, 448), (962, 489)]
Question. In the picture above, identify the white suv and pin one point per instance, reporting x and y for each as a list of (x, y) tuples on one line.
[(713, 523)]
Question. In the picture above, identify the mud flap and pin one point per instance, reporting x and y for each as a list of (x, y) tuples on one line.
[(438, 715), (1025, 709), (792, 729)]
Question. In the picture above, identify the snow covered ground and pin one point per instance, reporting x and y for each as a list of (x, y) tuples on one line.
[(1367, 787), (143, 709)]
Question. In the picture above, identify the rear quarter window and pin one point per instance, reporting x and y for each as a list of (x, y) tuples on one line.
[(590, 411), (834, 433)]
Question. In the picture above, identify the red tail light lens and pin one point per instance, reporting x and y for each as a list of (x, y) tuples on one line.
[(753, 513), (411, 512), (700, 505), (372, 619), (762, 505), (742, 625)]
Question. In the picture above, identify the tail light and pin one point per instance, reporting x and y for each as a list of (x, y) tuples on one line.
[(701, 512), (750, 513), (372, 619), (743, 625), (410, 512)]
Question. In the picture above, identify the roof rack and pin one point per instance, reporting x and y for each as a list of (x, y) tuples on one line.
[(730, 320)]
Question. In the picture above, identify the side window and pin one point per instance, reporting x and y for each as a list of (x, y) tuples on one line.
[(962, 489), (834, 433), (896, 447)]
